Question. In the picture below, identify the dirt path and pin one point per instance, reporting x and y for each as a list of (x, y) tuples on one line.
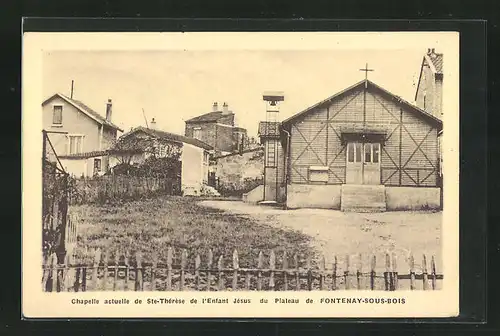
[(339, 233)]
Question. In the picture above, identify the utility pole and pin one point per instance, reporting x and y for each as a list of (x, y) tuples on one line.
[(145, 119)]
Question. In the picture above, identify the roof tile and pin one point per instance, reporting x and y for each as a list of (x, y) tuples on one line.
[(171, 136), (207, 117), (268, 128)]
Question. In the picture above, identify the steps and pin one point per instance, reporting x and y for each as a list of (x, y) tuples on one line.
[(363, 198)]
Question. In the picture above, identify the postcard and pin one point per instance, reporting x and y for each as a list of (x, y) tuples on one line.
[(240, 174)]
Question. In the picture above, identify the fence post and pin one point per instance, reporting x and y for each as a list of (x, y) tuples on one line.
[(387, 280), (322, 266), (260, 264), (127, 270), (76, 284), (197, 263), (285, 270), (359, 273), (412, 272), (433, 273), (309, 273), (169, 268), (46, 273), (297, 274), (138, 272), (236, 267), (53, 267), (334, 273), (395, 284), (272, 267), (424, 273), (84, 275), (105, 270), (372, 272), (115, 274), (154, 258), (95, 270), (220, 266), (183, 269), (346, 272), (209, 266), (65, 275)]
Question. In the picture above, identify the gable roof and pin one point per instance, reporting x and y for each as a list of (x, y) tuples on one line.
[(429, 117), (435, 62), (208, 117), (92, 114), (169, 136)]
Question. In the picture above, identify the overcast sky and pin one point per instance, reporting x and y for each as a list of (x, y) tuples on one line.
[(173, 86)]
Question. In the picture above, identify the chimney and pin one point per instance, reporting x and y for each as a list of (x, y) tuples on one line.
[(225, 108), (152, 124), (215, 107), (109, 111)]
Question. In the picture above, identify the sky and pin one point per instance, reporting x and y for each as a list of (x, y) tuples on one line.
[(175, 85)]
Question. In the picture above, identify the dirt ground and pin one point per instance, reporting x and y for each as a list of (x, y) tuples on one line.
[(359, 235)]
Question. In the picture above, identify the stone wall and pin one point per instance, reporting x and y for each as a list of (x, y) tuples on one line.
[(408, 198), (313, 196), (224, 138), (208, 132), (239, 173)]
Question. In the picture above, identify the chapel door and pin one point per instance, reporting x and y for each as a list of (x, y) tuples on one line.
[(363, 163), (371, 163), (354, 165)]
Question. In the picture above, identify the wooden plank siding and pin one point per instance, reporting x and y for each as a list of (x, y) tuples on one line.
[(409, 156)]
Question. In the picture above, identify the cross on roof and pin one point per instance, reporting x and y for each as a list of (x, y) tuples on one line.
[(366, 72)]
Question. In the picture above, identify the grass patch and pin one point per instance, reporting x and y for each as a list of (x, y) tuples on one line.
[(155, 224)]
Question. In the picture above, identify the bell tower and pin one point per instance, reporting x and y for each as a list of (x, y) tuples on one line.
[(272, 147)]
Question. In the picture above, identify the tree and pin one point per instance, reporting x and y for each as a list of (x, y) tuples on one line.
[(156, 156)]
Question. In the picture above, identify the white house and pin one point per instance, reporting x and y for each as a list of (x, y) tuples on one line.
[(83, 134), (194, 154)]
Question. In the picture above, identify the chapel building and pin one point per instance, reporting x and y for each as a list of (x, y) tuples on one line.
[(362, 149)]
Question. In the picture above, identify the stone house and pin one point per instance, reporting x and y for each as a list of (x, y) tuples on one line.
[(217, 128), (429, 93)]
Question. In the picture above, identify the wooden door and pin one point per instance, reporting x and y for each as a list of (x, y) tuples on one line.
[(354, 164), (371, 163)]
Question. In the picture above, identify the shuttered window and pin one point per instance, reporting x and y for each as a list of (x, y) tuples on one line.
[(57, 115), (197, 133)]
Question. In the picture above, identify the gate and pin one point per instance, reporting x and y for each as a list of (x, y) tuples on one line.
[(59, 232)]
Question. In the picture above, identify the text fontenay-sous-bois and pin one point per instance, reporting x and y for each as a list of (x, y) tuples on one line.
[(208, 300)]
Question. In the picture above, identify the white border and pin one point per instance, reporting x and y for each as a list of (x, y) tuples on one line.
[(35, 303)]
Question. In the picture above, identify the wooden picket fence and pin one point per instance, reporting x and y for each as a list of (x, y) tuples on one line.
[(123, 273)]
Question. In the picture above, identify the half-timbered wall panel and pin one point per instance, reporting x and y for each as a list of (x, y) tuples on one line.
[(347, 109), (336, 155), (380, 110)]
